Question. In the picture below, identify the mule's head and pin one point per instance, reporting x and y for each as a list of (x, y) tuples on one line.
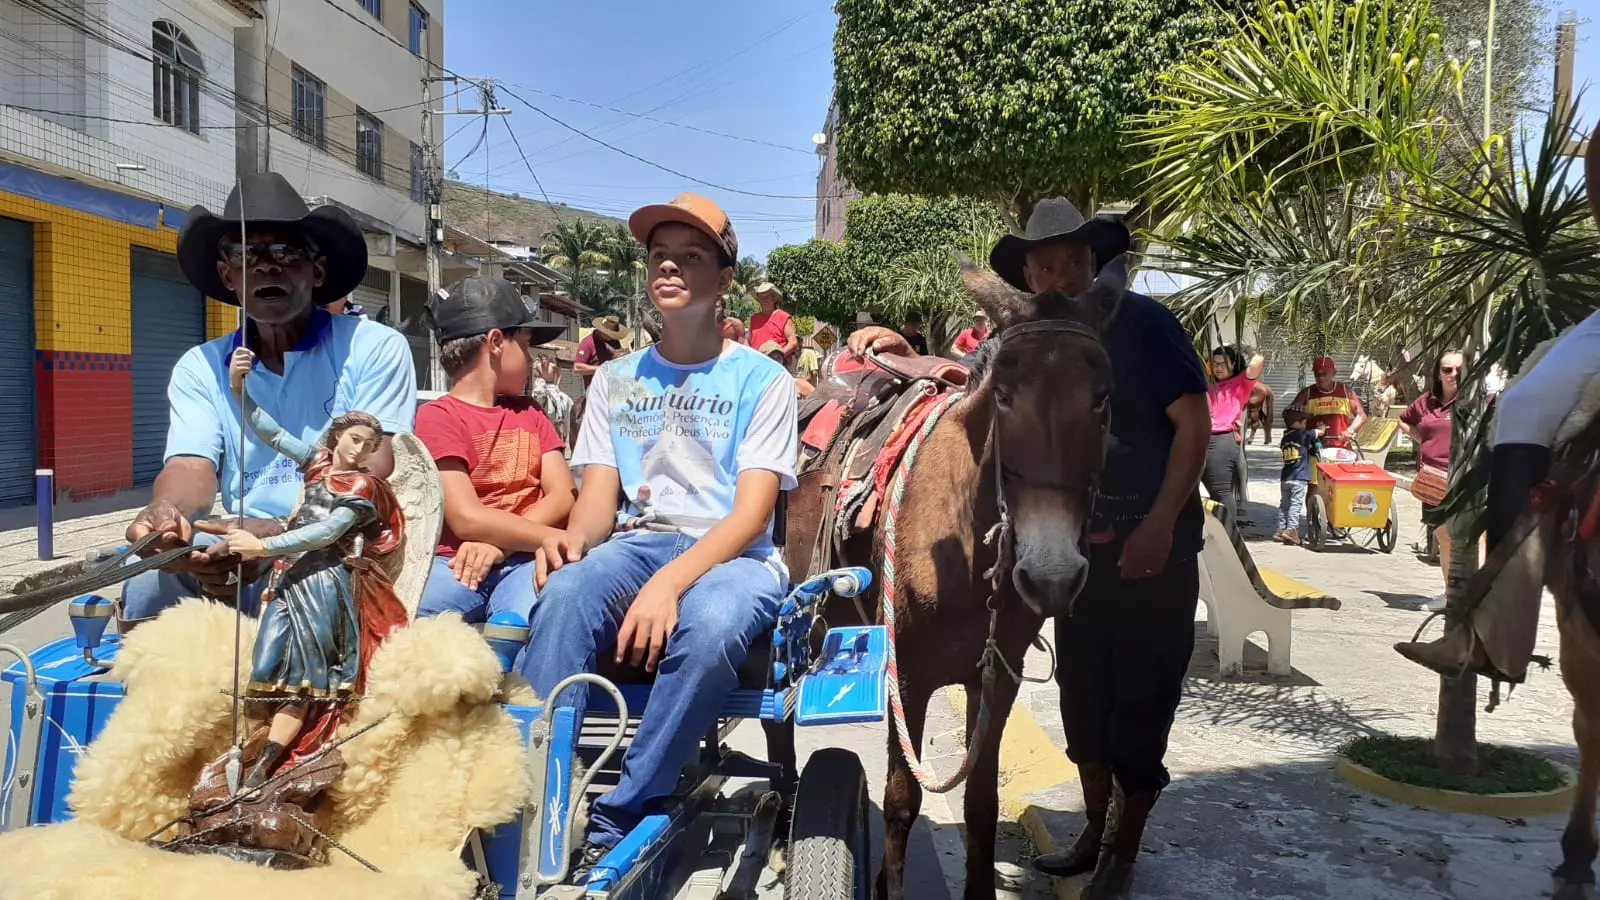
[(1048, 383)]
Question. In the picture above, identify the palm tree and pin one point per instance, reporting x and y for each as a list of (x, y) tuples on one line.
[(1314, 169), (574, 246)]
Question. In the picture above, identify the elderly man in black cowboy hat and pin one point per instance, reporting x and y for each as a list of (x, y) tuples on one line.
[(283, 263), (1125, 649)]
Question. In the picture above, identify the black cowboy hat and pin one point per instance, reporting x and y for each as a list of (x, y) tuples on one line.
[(1055, 219), (269, 199)]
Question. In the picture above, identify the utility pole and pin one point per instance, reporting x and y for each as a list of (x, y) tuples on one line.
[(1566, 50), (433, 181)]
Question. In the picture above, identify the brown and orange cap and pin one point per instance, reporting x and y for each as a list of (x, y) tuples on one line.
[(692, 210)]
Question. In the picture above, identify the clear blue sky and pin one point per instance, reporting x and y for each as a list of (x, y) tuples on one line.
[(761, 71)]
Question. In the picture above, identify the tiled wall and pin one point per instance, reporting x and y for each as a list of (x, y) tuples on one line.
[(82, 321)]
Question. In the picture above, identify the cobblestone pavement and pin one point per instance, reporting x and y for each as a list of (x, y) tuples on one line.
[(1255, 809)]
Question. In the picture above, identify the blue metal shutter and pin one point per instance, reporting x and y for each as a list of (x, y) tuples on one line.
[(169, 317), (18, 427)]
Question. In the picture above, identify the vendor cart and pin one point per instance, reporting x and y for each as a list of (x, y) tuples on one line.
[(1349, 493)]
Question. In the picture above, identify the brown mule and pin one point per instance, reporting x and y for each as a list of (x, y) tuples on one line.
[(1035, 415)]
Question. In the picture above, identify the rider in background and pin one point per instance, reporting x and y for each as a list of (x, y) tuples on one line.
[(1527, 417), (505, 480), (773, 324), (696, 435), (1332, 408), (1231, 385)]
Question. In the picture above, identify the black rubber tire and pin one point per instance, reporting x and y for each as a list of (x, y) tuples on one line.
[(1389, 535), (1317, 519), (828, 855)]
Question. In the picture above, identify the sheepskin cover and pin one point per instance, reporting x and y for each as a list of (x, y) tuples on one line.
[(445, 759)]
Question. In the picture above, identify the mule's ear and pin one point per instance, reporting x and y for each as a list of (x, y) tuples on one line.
[(1005, 304), (1100, 301)]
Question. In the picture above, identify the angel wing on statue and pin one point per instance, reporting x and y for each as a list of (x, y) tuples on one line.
[(330, 599)]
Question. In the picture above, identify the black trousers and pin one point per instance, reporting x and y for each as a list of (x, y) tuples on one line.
[(1222, 467), (1124, 653)]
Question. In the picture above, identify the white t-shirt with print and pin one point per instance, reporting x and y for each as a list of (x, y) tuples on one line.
[(680, 436)]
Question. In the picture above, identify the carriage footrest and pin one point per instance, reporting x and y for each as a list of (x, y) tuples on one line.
[(849, 684)]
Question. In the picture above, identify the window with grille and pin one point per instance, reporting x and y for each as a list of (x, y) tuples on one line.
[(419, 29), (369, 145), (419, 175), (309, 104), (175, 71), (373, 6)]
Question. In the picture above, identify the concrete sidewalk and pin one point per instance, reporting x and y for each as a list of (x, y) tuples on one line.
[(1255, 809), (79, 527)]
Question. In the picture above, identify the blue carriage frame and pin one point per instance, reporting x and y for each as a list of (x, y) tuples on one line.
[(59, 705)]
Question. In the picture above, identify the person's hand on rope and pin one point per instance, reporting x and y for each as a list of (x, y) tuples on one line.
[(161, 517), (239, 365), (472, 562), (558, 550), (642, 639), (878, 339)]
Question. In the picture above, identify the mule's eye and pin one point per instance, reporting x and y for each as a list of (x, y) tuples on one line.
[(1002, 398)]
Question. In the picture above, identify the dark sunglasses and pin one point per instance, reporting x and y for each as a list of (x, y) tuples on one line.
[(1449, 370), (277, 253)]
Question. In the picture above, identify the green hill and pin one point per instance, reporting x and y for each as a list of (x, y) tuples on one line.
[(504, 217)]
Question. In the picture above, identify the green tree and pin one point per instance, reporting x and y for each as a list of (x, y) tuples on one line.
[(1325, 176), (1003, 100), (819, 279), (575, 246)]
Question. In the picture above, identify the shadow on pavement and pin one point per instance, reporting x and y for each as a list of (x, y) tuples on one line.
[(1295, 829)]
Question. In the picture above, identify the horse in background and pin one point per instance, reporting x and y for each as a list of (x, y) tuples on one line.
[(1258, 412)]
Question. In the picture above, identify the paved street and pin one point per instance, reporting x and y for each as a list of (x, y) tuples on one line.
[(1255, 810)]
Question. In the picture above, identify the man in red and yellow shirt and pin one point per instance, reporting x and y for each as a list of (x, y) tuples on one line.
[(1330, 406)]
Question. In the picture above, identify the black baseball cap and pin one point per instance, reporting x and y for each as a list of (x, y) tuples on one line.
[(480, 304)]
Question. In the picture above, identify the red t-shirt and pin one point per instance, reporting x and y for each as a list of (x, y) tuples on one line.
[(593, 352), (1333, 410), (1429, 420), (503, 446), (968, 340), (770, 326)]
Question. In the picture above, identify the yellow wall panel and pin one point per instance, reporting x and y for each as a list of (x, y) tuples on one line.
[(82, 295)]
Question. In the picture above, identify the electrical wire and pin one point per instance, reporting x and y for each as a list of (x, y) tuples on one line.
[(652, 163)]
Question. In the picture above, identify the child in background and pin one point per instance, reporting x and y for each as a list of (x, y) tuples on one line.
[(1299, 447), (505, 479)]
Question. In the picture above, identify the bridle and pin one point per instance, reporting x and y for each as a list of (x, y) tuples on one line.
[(1004, 530)]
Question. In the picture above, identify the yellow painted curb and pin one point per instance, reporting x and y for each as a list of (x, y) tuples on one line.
[(1519, 804), (1029, 761), (1289, 588)]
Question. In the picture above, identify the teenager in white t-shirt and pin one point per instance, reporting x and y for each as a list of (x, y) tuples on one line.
[(696, 434)]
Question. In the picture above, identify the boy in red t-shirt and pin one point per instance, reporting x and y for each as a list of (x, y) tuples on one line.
[(506, 483)]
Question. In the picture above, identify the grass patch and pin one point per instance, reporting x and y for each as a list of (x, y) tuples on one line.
[(1501, 770)]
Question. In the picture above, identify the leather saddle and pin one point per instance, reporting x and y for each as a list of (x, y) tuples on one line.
[(845, 424)]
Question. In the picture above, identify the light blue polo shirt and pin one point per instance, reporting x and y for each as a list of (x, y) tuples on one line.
[(341, 364)]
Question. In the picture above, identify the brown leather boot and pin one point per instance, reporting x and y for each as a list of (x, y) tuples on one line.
[(1113, 875), (1452, 655), (1084, 853)]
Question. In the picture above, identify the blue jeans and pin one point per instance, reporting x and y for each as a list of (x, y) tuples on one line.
[(1292, 505), (145, 596), (580, 610), (508, 587)]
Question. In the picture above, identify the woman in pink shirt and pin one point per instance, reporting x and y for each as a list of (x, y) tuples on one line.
[(1231, 383)]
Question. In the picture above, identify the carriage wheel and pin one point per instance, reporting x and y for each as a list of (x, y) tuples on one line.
[(1317, 523), (1389, 535), (829, 840)]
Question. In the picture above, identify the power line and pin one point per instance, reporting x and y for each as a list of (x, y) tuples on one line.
[(733, 137), (653, 164)]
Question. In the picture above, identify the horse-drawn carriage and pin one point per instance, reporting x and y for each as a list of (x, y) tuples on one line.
[(702, 842)]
